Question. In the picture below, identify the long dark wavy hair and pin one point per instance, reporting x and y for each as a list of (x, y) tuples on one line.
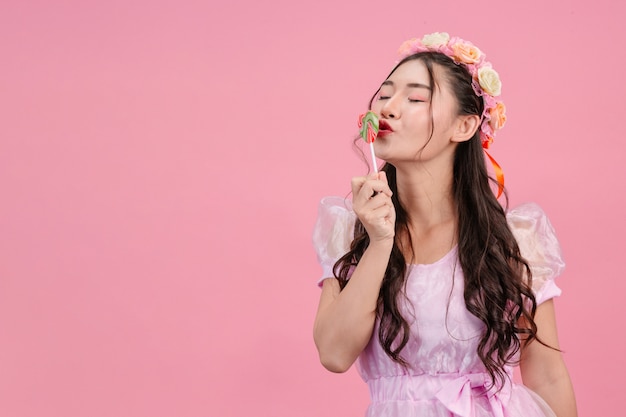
[(497, 278)]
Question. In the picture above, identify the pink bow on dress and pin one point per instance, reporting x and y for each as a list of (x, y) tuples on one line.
[(458, 395)]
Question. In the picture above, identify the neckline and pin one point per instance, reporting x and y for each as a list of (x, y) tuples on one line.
[(441, 260)]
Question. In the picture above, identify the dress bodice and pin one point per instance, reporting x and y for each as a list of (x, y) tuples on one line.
[(446, 376), (444, 335)]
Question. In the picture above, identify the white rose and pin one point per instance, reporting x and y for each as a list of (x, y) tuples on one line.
[(435, 39), (489, 81)]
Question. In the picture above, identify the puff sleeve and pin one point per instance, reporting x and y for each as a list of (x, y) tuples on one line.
[(333, 232), (539, 246)]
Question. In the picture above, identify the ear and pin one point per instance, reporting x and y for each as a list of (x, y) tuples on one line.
[(466, 126)]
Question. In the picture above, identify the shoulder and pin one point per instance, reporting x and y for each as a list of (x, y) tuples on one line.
[(334, 227), (334, 211), (539, 245), (335, 204), (333, 231), (525, 214), (535, 235)]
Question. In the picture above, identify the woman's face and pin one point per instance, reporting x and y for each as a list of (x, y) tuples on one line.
[(405, 104)]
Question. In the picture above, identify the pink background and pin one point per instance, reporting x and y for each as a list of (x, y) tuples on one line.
[(161, 164)]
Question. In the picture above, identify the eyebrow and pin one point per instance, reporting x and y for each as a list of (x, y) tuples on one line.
[(410, 85)]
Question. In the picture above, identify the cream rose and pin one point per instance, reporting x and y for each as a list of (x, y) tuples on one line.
[(466, 53), (489, 81), (435, 39), (498, 116)]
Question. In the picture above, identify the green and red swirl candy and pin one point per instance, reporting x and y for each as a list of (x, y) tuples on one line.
[(368, 123)]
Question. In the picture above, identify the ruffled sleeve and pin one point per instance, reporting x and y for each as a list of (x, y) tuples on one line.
[(540, 248), (333, 232)]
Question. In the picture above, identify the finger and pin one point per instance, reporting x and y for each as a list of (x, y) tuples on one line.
[(379, 200), (365, 188), (375, 217), (382, 176), (382, 211), (368, 192), (356, 184), (379, 186), (381, 216)]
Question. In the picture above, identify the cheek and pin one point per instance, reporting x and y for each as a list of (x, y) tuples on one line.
[(441, 118), (421, 117), (442, 121), (444, 111)]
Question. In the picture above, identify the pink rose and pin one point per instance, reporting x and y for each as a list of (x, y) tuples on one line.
[(498, 116), (466, 53)]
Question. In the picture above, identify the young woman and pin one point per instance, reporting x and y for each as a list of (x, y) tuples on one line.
[(429, 284)]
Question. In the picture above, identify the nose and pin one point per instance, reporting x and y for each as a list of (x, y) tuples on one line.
[(388, 114), (390, 110)]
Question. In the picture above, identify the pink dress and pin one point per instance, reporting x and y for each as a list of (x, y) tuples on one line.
[(447, 377)]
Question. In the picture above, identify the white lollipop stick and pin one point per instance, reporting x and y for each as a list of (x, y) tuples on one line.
[(373, 158)]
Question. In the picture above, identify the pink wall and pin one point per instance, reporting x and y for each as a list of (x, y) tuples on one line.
[(161, 163)]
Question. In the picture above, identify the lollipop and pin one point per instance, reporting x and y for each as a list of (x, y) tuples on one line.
[(368, 123)]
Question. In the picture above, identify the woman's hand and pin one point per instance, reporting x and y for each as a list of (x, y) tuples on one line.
[(371, 201)]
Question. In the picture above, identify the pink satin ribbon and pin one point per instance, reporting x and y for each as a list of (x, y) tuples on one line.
[(458, 395)]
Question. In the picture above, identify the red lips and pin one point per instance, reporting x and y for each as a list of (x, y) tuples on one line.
[(384, 128)]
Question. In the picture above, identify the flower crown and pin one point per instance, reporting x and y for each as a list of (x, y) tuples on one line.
[(485, 80)]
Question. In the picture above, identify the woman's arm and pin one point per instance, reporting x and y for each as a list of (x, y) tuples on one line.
[(543, 369), (345, 319)]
